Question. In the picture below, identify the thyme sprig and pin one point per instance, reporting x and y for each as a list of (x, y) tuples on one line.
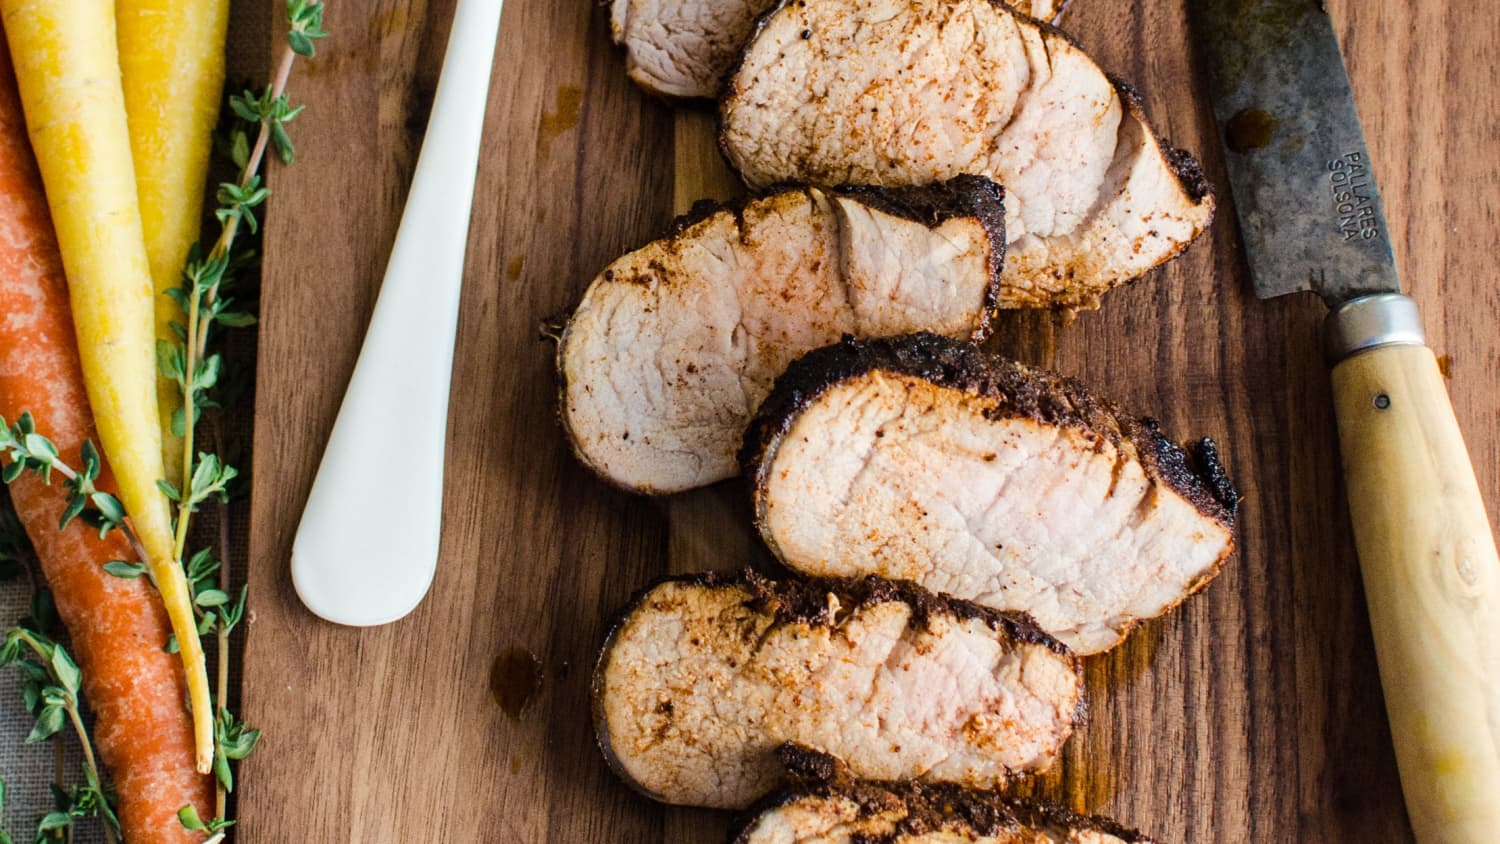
[(50, 682), (306, 26), (50, 691), (204, 296), (29, 450)]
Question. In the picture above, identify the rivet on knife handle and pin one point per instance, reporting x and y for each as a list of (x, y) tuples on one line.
[(1431, 575)]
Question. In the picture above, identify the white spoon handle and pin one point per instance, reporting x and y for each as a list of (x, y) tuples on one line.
[(367, 547)]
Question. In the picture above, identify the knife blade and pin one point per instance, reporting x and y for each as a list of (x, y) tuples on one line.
[(1304, 190), (1311, 219)]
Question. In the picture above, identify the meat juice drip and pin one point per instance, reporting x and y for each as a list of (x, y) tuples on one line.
[(564, 116), (1250, 129), (515, 679)]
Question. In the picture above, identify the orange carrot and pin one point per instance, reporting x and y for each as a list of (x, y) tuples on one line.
[(142, 729)]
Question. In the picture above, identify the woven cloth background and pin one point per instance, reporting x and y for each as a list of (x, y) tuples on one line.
[(28, 769)]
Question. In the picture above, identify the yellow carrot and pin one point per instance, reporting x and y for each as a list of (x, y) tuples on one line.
[(68, 70), (172, 68)]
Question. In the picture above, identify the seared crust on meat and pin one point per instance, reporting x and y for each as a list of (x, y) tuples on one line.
[(804, 601), (795, 601), (1026, 392), (703, 677), (829, 800), (1183, 164), (924, 458), (674, 344)]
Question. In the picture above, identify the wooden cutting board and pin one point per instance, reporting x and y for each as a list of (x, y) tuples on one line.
[(1252, 714)]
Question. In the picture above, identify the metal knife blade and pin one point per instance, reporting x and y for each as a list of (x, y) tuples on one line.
[(1309, 211)]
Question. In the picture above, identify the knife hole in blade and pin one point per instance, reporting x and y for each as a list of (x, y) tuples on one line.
[(1250, 129), (1382, 401)]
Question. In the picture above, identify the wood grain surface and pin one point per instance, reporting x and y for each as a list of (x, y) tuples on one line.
[(1254, 713)]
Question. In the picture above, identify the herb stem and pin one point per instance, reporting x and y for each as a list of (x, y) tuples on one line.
[(70, 707), (90, 767), (231, 739), (197, 329), (221, 691), (196, 350), (179, 544), (126, 530), (64, 469), (135, 545), (252, 167)]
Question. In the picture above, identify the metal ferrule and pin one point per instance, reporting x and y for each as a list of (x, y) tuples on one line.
[(1370, 322)]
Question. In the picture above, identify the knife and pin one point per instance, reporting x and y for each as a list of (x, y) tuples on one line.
[(1311, 219)]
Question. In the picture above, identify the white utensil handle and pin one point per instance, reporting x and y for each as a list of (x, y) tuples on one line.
[(367, 547)]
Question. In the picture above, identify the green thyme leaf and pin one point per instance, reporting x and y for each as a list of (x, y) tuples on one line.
[(169, 360), (127, 570), (283, 143), (54, 821), (188, 817), (66, 671), (211, 598), (236, 319), (108, 506), (235, 614), (72, 511), (201, 566), (222, 772), (91, 462), (51, 719), (40, 447)]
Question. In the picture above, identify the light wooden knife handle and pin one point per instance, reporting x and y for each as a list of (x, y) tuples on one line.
[(1432, 582)]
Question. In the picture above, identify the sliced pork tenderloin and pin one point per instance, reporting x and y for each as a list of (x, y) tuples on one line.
[(705, 677), (684, 49), (675, 344), (873, 92), (923, 458), (1050, 11), (838, 809)]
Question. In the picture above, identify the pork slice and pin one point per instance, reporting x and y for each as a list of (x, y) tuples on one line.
[(704, 678), (684, 49), (925, 459), (675, 344), (1050, 11), (880, 92), (842, 810)]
